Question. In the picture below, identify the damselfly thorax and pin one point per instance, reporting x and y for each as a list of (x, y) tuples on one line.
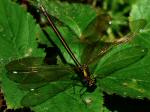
[(86, 78)]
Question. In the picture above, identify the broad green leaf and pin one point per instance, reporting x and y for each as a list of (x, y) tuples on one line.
[(18, 33), (140, 10)]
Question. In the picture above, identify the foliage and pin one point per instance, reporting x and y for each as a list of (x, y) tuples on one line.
[(124, 69)]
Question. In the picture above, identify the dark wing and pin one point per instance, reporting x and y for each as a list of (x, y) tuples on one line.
[(96, 28), (44, 93), (91, 35), (31, 70), (95, 51)]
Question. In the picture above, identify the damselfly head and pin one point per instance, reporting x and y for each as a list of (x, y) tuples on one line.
[(91, 85)]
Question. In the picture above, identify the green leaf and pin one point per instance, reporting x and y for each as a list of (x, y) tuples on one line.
[(141, 11), (18, 33)]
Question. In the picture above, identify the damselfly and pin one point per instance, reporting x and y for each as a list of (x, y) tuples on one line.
[(32, 73)]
